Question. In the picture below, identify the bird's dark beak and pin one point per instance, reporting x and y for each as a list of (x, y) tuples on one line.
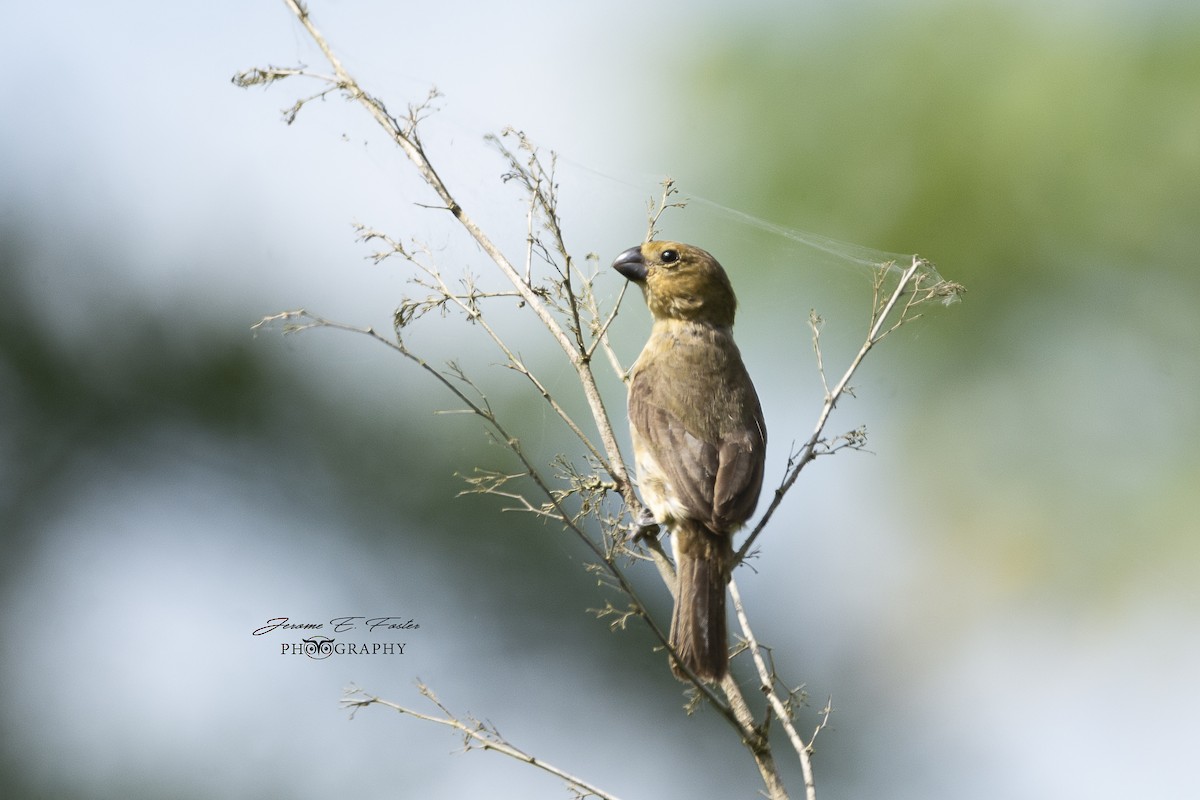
[(631, 264)]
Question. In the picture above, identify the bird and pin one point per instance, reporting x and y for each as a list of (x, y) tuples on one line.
[(698, 435)]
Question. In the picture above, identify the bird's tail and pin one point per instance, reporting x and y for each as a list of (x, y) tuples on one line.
[(702, 561)]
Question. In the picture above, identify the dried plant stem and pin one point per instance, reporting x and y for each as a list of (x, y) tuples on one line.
[(467, 306), (767, 677), (757, 742), (408, 141), (880, 313), (477, 734)]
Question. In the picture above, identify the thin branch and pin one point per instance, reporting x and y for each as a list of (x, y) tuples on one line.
[(467, 305), (875, 334), (475, 734), (405, 137), (757, 742), (767, 684), (656, 209), (815, 323), (602, 334)]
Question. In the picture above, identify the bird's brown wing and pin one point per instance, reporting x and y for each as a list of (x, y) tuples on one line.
[(689, 464), (739, 474), (716, 481)]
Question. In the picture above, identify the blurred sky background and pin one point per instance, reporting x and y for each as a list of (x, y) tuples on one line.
[(1003, 598)]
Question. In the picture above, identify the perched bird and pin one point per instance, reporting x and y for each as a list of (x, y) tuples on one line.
[(698, 436)]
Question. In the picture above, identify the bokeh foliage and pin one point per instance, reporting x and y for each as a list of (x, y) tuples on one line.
[(1050, 161)]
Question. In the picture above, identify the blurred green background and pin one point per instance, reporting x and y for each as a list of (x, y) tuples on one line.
[(1001, 599)]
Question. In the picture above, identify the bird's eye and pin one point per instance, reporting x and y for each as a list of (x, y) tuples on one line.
[(670, 256)]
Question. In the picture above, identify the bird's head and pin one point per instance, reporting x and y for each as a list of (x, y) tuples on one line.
[(680, 282)]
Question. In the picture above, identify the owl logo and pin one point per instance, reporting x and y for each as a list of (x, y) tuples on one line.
[(318, 647)]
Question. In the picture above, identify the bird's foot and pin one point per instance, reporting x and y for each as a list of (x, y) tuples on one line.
[(647, 525)]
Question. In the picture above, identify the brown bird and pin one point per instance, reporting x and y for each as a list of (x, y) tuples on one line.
[(699, 440)]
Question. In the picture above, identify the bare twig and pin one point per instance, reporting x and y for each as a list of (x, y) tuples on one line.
[(758, 742), (475, 734), (657, 208), (908, 286), (467, 304), (404, 136), (767, 684)]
